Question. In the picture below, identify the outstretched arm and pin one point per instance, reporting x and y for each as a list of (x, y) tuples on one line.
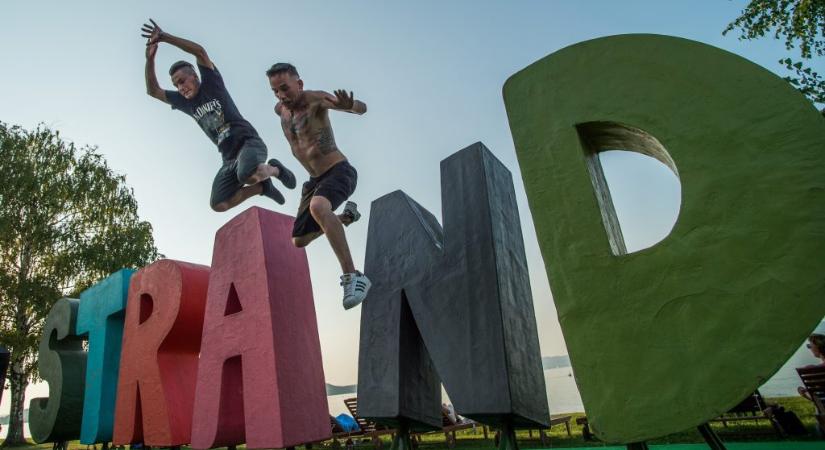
[(152, 86), (342, 101), (154, 34)]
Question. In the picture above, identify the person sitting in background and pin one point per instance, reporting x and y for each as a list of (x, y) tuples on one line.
[(816, 343), (449, 411)]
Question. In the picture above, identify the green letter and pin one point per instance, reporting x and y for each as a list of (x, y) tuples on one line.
[(666, 338)]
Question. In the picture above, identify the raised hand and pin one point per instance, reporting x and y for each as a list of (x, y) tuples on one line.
[(152, 33), (151, 50), (343, 100)]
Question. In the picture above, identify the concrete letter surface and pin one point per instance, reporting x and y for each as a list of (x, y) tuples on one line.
[(159, 361), (260, 379), (100, 316), (62, 363), (454, 302), (666, 338)]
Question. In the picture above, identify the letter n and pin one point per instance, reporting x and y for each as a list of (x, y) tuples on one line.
[(260, 378), (159, 360), (453, 304)]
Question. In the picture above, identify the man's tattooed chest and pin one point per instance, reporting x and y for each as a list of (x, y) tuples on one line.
[(302, 130), (297, 124)]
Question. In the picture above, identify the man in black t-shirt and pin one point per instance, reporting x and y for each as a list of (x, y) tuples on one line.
[(245, 171)]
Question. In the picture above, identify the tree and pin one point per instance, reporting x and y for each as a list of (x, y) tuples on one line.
[(802, 24), (66, 221)]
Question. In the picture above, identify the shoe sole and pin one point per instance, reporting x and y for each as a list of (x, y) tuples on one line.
[(353, 214), (290, 182), (276, 196), (348, 306)]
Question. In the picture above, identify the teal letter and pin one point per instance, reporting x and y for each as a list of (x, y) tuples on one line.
[(101, 316)]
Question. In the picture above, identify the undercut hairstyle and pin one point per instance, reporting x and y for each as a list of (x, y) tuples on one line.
[(181, 65), (818, 341), (281, 68)]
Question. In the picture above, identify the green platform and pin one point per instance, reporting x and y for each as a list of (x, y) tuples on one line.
[(811, 445)]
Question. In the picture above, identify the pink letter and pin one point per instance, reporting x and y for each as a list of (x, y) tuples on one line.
[(260, 378)]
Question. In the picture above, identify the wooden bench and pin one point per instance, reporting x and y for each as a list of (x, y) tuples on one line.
[(813, 379), (368, 428), (752, 408), (557, 420), (545, 440), (586, 434), (449, 427)]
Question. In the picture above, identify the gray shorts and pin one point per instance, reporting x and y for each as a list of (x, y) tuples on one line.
[(230, 178)]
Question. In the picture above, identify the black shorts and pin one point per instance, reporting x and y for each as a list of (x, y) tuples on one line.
[(335, 185), (230, 177)]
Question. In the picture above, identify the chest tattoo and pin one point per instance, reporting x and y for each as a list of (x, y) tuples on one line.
[(301, 127), (326, 140), (297, 123)]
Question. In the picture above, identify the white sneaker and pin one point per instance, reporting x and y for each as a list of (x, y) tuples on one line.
[(356, 285)]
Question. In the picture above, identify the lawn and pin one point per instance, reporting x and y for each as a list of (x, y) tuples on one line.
[(746, 435)]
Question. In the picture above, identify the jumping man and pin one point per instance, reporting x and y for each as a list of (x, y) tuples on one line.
[(245, 171), (305, 122)]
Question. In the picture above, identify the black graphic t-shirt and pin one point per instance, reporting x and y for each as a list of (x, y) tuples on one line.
[(215, 112)]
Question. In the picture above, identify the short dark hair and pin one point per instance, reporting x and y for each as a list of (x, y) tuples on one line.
[(818, 341), (180, 65), (281, 68)]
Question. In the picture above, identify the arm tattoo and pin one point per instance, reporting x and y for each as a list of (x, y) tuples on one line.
[(326, 141)]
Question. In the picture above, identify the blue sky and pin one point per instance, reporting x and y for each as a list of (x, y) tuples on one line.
[(430, 72)]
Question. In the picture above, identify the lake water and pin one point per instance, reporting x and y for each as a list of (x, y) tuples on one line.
[(563, 395)]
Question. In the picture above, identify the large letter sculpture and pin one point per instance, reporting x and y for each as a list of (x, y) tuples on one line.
[(669, 337), (454, 303), (101, 317), (159, 361), (62, 363), (260, 378)]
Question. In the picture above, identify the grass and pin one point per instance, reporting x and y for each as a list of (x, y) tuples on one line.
[(748, 431)]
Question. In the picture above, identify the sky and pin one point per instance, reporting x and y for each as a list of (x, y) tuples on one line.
[(431, 73)]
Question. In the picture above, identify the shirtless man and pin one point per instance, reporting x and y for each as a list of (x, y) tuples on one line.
[(305, 121), (208, 102)]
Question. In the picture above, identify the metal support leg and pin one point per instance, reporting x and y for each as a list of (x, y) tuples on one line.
[(711, 437), (507, 441), (402, 441)]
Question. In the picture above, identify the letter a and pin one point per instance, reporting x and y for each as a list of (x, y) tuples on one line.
[(260, 378)]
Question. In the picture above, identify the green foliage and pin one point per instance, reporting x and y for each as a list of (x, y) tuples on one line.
[(810, 83), (66, 221), (801, 23)]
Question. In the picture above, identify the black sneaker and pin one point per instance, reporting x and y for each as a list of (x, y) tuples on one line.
[(270, 191), (351, 211), (284, 174)]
